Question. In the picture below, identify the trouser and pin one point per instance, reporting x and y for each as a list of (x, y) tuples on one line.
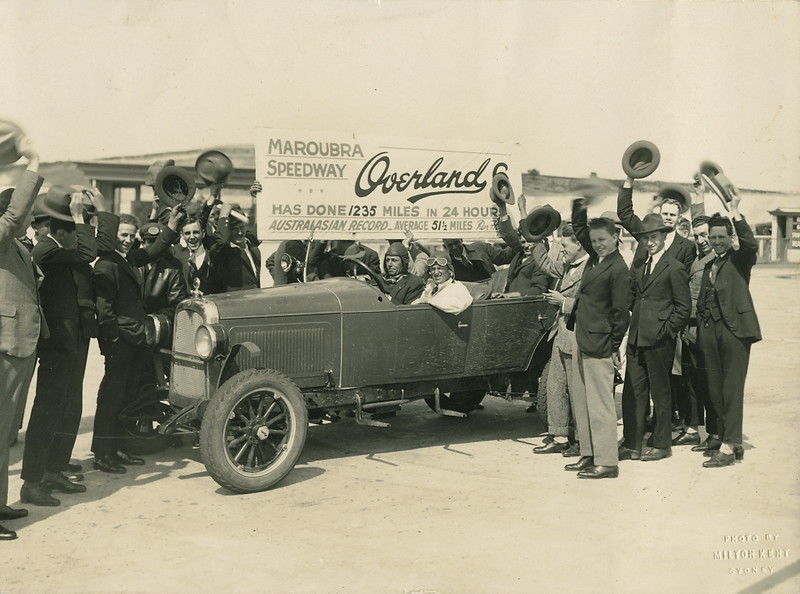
[(649, 375), (696, 409), (56, 412), (559, 393), (119, 386), (595, 412), (726, 358), (15, 374)]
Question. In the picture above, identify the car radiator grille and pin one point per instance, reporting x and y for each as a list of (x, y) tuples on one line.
[(292, 351), (188, 377)]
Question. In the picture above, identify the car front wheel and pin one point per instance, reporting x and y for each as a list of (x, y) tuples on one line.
[(253, 430)]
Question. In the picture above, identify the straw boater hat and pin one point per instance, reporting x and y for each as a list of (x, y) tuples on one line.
[(540, 223)]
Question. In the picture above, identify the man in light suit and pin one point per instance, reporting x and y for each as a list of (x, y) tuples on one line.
[(601, 316), (661, 305), (728, 326), (21, 321)]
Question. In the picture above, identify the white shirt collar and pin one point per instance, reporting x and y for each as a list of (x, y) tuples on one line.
[(655, 258), (668, 240)]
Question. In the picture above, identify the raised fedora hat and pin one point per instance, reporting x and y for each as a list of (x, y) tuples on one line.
[(174, 185), (715, 180), (501, 190), (152, 171), (652, 222), (676, 192), (641, 159), (38, 213), (55, 203), (213, 166), (540, 223), (10, 135)]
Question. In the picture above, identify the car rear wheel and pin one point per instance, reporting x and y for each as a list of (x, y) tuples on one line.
[(463, 402), (253, 430)]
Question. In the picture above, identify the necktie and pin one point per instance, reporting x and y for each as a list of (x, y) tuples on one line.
[(712, 276), (646, 274)]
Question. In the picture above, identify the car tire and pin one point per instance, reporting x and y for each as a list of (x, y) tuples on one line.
[(253, 430), (463, 402)]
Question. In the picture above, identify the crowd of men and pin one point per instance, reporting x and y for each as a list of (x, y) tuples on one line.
[(679, 313)]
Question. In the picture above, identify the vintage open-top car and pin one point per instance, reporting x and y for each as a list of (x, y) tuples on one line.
[(251, 368)]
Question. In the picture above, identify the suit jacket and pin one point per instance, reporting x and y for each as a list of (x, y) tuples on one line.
[(481, 261), (21, 322), (231, 268), (164, 285), (732, 286), (661, 305), (526, 275), (568, 286), (67, 288), (118, 287), (602, 307), (681, 248), (190, 272), (406, 290)]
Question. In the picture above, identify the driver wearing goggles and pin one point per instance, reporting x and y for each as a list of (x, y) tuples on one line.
[(441, 289)]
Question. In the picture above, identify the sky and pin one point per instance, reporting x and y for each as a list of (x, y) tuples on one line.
[(573, 82)]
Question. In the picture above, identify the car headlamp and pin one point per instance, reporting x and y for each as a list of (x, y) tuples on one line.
[(209, 341), (157, 330)]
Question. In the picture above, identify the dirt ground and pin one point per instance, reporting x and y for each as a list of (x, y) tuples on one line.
[(445, 505)]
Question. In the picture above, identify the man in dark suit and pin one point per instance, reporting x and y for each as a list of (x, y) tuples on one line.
[(118, 289), (65, 257), (21, 323), (164, 285), (601, 319), (235, 261), (675, 200), (728, 326), (661, 305), (403, 286)]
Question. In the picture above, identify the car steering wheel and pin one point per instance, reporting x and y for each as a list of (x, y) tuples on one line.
[(371, 273)]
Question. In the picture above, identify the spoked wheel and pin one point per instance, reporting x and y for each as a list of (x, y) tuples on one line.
[(253, 430), (463, 402)]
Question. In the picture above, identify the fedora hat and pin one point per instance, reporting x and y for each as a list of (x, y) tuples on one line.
[(501, 189), (678, 193), (652, 222), (213, 166), (591, 188), (540, 223), (174, 185), (715, 180), (10, 135), (38, 214), (640, 159), (55, 203), (152, 171)]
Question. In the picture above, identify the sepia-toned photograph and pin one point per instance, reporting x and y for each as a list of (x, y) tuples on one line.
[(403, 297)]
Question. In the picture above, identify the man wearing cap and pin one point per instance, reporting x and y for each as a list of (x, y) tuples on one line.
[(21, 322), (236, 263), (660, 308), (693, 404), (675, 200), (403, 286), (118, 284), (728, 326), (65, 257)]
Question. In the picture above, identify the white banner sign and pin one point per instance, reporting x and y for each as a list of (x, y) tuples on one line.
[(344, 186)]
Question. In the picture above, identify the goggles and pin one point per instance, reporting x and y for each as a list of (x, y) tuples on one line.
[(439, 261)]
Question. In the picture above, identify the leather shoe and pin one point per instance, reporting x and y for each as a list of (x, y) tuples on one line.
[(108, 463), (599, 472), (738, 452), (719, 460), (710, 443), (573, 451), (553, 447), (656, 454), (686, 438), (73, 468), (6, 534), (8, 513), (629, 453), (128, 460), (582, 464), (37, 494), (55, 481)]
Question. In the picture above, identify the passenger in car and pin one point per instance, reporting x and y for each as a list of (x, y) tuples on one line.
[(442, 290), (403, 286)]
